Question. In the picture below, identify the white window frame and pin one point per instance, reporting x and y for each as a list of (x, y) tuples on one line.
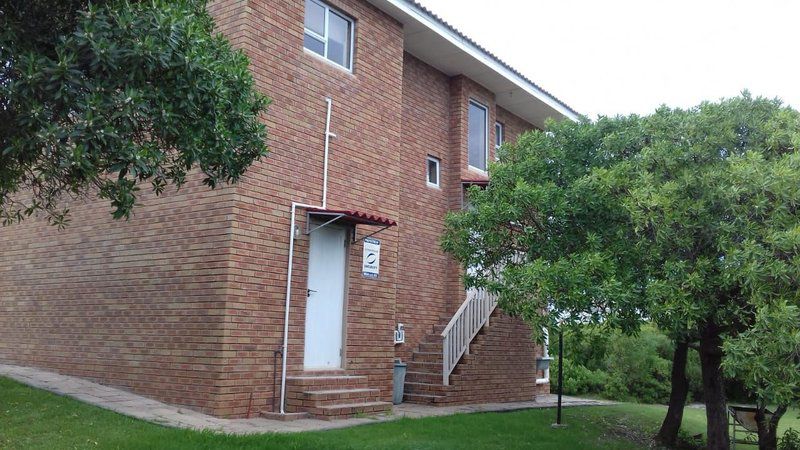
[(485, 132), (499, 131), (438, 163), (328, 10)]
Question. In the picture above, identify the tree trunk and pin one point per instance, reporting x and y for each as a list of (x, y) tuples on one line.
[(768, 429), (714, 389), (668, 434)]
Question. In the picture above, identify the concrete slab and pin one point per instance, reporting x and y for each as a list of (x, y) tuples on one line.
[(144, 408)]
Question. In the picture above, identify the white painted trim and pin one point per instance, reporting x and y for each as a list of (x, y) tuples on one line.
[(545, 354), (486, 133), (324, 38), (438, 171), (290, 264), (469, 48)]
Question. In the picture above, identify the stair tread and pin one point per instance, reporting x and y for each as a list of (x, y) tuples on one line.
[(341, 391), (327, 377), (353, 405), (424, 395)]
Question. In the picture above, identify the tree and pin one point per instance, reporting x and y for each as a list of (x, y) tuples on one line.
[(767, 358), (652, 224), (100, 97)]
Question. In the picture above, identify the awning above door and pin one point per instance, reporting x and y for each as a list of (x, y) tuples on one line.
[(347, 216)]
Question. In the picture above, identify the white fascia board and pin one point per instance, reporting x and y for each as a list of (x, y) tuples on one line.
[(415, 13)]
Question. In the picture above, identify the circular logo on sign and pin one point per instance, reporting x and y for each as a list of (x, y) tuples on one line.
[(371, 258)]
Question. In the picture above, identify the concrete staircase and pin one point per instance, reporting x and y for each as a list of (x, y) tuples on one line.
[(499, 367), (332, 395)]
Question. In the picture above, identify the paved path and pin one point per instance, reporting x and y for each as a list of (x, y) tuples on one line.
[(150, 410)]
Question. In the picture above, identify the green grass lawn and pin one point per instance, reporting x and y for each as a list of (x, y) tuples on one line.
[(32, 418)]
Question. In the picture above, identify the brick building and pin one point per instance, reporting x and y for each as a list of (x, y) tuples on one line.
[(283, 293)]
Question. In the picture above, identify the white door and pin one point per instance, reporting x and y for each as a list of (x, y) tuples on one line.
[(325, 303)]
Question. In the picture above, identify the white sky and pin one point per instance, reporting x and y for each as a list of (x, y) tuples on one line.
[(630, 56)]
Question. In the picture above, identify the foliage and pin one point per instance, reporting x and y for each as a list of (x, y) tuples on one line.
[(103, 96), (575, 240), (767, 356), (578, 380), (790, 440), (687, 217), (622, 367)]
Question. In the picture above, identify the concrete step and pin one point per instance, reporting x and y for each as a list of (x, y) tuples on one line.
[(288, 417)]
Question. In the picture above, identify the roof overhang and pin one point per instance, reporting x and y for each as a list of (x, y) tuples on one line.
[(352, 217), (440, 45)]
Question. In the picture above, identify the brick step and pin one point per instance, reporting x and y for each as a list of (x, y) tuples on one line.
[(426, 357), (424, 377), (334, 396), (347, 410), (424, 399), (431, 347), (480, 366), (427, 388), (323, 382), (424, 366)]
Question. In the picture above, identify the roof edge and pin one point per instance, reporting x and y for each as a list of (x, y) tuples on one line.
[(463, 42)]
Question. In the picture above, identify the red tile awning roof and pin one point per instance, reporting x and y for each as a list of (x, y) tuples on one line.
[(482, 182), (356, 217)]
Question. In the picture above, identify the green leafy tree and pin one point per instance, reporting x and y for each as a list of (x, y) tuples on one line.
[(100, 97), (658, 221)]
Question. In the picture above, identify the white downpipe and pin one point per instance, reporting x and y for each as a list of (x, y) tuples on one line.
[(546, 351), (295, 205)]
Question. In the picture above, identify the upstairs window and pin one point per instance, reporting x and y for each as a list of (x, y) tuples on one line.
[(329, 34), (477, 140), (499, 137), (433, 171)]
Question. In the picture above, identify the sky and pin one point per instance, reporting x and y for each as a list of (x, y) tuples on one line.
[(609, 57)]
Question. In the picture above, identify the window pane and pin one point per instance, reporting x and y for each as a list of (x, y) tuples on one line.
[(314, 44), (315, 17), (498, 134), (477, 136), (433, 171), (339, 40)]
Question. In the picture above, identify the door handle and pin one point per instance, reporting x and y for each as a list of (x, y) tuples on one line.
[(309, 292)]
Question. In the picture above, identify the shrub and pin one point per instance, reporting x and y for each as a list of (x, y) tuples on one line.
[(790, 440), (620, 367)]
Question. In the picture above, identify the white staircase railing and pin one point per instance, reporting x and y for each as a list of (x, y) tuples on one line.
[(465, 324)]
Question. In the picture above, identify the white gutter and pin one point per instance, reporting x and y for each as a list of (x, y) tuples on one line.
[(546, 354), (295, 205)]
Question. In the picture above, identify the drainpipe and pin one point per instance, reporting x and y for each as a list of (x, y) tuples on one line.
[(295, 205), (546, 351)]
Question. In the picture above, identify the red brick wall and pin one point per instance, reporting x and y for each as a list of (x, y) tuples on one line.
[(364, 175), (422, 294), (185, 301), (138, 304)]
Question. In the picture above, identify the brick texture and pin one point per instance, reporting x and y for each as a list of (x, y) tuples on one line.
[(185, 301)]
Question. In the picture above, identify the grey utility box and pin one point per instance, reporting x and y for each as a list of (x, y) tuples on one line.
[(399, 381)]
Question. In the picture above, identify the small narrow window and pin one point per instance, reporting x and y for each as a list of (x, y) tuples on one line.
[(433, 171), (329, 34), (499, 137), (477, 140)]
